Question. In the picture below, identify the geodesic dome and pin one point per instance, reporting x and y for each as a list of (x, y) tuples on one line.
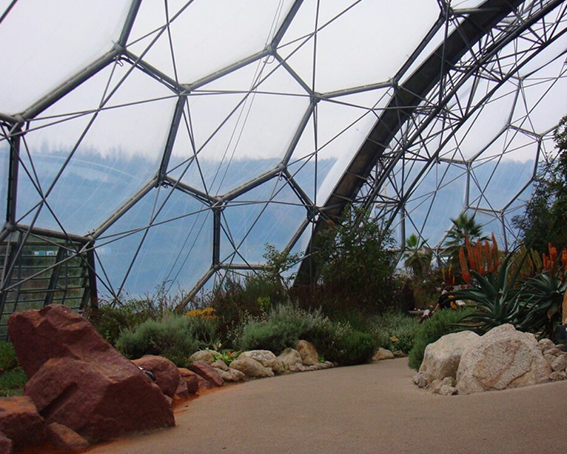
[(150, 142)]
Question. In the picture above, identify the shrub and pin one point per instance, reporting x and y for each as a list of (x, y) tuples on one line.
[(174, 337), (12, 382), (395, 330), (8, 360), (443, 322), (348, 348)]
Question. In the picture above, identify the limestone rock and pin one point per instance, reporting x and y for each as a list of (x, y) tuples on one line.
[(383, 353), (208, 372), (290, 359), (447, 390), (21, 422), (420, 380), (190, 379), (266, 358), (559, 364), (308, 353), (167, 375), (399, 354), (251, 368), (558, 376), (545, 344), (5, 444), (220, 364), (441, 358), (554, 351), (502, 358), (65, 439), (202, 356), (79, 380), (232, 375)]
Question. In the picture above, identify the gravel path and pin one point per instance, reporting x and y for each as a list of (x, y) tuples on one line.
[(363, 409)]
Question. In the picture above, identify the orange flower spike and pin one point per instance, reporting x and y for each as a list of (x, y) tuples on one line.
[(488, 258), (464, 270), (470, 253), (495, 252), (478, 258)]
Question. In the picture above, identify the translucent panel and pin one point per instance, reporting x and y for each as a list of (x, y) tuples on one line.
[(366, 56), (341, 129), (511, 145), (495, 183), (270, 213), (50, 41), (541, 104), (118, 153), (174, 251), (238, 136), (439, 197), (232, 31), (4, 166), (485, 124)]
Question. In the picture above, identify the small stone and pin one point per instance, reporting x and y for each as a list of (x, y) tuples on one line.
[(220, 364), (553, 351), (21, 422), (399, 354), (289, 359), (383, 353), (545, 344), (190, 379), (420, 380), (327, 365), (549, 358), (308, 352), (65, 439), (232, 375), (560, 363), (208, 372), (449, 381), (203, 385), (167, 376), (182, 391), (558, 376), (251, 368), (204, 356), (447, 390), (435, 386)]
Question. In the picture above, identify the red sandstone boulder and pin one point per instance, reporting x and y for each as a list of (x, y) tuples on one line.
[(20, 422), (64, 439), (79, 380), (208, 372), (182, 392), (203, 385), (191, 379), (5, 445), (167, 375)]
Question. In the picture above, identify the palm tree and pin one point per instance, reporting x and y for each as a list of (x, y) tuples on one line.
[(417, 256), (463, 227)]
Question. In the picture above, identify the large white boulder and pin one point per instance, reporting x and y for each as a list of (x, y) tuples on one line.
[(502, 358), (441, 359)]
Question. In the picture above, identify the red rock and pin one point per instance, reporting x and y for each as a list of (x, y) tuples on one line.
[(182, 391), (20, 421), (203, 384), (79, 380), (65, 439), (5, 444), (191, 379), (167, 375), (208, 372)]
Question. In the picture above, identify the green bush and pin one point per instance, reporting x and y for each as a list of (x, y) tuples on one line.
[(443, 322), (174, 337), (352, 347), (12, 382), (8, 360), (394, 330)]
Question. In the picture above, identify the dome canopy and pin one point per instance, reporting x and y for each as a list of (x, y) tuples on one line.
[(166, 142)]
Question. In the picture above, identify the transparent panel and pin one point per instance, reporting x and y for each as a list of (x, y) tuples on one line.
[(495, 183), (118, 148), (236, 134), (166, 240), (231, 32), (49, 42), (270, 213), (439, 197), (367, 56)]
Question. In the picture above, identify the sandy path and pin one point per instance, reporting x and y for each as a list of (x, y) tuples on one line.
[(363, 409)]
